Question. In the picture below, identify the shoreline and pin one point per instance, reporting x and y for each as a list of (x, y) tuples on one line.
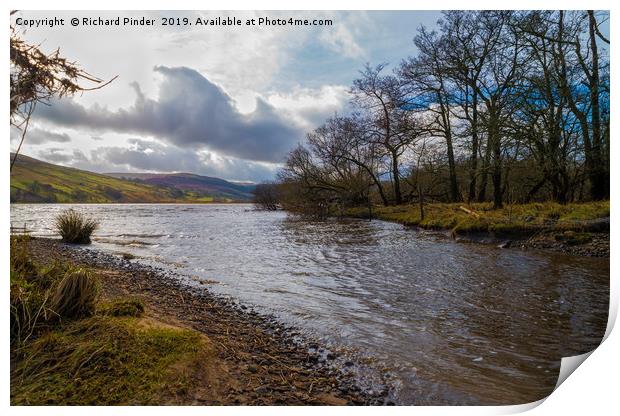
[(264, 361), (589, 237)]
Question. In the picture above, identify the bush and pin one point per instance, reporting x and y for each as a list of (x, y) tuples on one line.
[(74, 227), (75, 295)]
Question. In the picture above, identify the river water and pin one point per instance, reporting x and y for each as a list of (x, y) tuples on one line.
[(450, 323)]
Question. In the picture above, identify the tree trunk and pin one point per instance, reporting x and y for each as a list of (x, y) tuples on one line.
[(482, 193), (454, 186), (495, 140), (473, 163), (597, 177), (396, 174)]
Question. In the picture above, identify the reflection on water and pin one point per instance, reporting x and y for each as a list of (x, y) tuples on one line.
[(455, 323)]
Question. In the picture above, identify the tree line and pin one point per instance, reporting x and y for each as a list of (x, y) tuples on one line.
[(499, 106)]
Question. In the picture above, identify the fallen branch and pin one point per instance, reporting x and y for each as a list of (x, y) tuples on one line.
[(469, 211)]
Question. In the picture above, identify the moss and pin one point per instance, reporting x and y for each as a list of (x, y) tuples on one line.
[(103, 360), (573, 238), (123, 307)]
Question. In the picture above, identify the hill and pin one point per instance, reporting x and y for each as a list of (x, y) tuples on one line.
[(33, 180), (216, 187)]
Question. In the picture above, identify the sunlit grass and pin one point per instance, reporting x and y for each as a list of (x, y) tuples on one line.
[(69, 348), (511, 218)]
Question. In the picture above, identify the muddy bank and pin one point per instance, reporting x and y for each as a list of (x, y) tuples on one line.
[(262, 362), (576, 244)]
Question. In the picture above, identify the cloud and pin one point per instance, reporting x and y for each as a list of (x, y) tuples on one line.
[(39, 136), (154, 156), (58, 155), (190, 111), (342, 38), (311, 107)]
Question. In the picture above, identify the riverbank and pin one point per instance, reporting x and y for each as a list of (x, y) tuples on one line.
[(578, 229), (154, 340)]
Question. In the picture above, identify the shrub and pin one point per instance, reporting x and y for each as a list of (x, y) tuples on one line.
[(74, 227), (75, 295)]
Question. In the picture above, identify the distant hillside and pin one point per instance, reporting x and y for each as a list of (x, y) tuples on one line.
[(216, 187), (33, 180)]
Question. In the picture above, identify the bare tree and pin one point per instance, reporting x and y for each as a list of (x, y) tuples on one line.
[(266, 196), (37, 77), (389, 126)]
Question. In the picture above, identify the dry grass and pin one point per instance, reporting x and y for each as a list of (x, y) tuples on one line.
[(523, 218), (98, 353), (74, 227), (30, 291), (40, 294), (104, 360), (75, 295)]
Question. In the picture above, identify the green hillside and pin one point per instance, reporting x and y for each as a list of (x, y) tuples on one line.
[(35, 181)]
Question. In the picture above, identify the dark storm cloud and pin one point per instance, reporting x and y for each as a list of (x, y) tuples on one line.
[(190, 112)]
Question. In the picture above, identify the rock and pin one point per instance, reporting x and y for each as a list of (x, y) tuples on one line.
[(505, 244)]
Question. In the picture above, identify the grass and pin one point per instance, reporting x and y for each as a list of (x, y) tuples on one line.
[(123, 307), (70, 348), (523, 218), (74, 227), (35, 181), (573, 238), (31, 287), (103, 360), (75, 295)]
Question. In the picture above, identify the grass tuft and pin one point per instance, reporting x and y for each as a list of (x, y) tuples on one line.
[(75, 295), (30, 292), (74, 227)]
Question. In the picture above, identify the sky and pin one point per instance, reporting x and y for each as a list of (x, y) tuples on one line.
[(226, 101)]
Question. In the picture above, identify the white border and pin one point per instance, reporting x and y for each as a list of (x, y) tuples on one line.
[(591, 389)]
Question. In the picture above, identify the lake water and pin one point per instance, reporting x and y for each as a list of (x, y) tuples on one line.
[(451, 323)]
